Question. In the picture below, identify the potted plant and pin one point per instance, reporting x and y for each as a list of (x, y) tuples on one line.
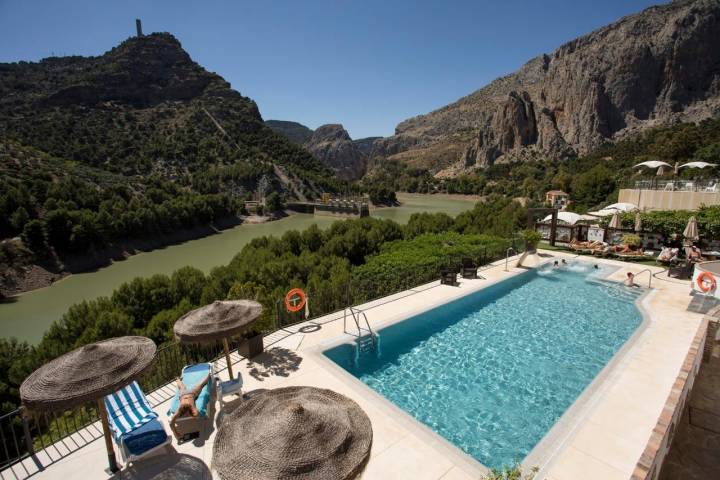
[(532, 238), (251, 344)]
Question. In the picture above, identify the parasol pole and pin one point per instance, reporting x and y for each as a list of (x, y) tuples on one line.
[(227, 357), (112, 463)]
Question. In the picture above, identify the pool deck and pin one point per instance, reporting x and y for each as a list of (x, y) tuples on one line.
[(602, 439)]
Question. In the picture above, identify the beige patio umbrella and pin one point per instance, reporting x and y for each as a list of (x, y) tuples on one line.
[(615, 221), (88, 373), (217, 322), (293, 433), (691, 230), (638, 222)]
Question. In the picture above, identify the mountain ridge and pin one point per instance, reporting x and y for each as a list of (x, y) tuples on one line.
[(636, 73)]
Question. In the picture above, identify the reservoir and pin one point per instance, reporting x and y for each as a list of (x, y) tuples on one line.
[(30, 314)]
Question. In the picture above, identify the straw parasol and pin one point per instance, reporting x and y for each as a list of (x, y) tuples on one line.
[(691, 230), (88, 373), (615, 221), (293, 433), (638, 222), (217, 321)]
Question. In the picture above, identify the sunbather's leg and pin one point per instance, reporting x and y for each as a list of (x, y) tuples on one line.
[(198, 388)]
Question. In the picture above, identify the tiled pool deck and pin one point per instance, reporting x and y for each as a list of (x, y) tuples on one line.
[(604, 438)]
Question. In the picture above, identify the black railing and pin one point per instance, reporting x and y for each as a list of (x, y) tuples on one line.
[(710, 185), (58, 434)]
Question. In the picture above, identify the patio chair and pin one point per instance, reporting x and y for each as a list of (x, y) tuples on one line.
[(682, 271), (448, 277), (135, 427), (189, 427), (469, 269)]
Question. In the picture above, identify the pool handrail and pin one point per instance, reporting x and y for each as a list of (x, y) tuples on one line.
[(650, 276)]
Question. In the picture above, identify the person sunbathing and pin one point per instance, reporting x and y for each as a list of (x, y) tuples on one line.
[(187, 401), (694, 255)]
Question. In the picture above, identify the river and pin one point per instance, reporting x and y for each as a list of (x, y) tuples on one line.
[(30, 314)]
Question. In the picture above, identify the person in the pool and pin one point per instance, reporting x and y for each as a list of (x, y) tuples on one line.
[(630, 282), (564, 262), (596, 266), (556, 264)]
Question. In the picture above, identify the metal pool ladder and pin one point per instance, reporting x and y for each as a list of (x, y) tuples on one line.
[(367, 341), (650, 276)]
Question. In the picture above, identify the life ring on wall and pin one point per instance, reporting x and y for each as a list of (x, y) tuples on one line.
[(702, 282), (295, 300)]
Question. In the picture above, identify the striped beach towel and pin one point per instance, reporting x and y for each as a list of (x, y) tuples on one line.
[(127, 410)]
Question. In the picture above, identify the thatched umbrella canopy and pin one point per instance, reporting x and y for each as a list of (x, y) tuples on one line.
[(293, 433), (217, 321), (615, 221), (88, 373), (638, 222)]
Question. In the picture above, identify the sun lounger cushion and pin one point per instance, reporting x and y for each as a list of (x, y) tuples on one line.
[(127, 410), (191, 376), (142, 439)]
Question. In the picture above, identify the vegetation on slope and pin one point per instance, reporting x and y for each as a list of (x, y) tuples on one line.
[(351, 261)]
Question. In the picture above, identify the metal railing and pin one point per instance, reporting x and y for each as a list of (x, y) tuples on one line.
[(357, 315), (650, 275), (507, 256), (677, 185), (23, 434)]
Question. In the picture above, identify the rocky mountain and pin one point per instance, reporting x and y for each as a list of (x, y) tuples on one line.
[(294, 131), (365, 145), (146, 108), (332, 145), (659, 66)]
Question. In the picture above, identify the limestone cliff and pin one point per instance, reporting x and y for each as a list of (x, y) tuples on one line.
[(332, 145), (659, 66)]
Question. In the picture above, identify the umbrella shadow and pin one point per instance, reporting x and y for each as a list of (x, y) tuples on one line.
[(277, 361), (176, 466)]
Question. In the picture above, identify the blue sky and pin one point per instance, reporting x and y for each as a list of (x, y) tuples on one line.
[(366, 64)]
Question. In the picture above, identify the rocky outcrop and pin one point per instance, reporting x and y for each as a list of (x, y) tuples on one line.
[(332, 145), (657, 67), (365, 145)]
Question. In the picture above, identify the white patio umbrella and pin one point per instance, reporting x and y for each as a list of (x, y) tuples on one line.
[(622, 207), (615, 221), (691, 230), (570, 218), (698, 165), (652, 164), (638, 222)]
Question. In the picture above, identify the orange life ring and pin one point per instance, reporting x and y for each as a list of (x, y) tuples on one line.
[(706, 277), (295, 300)]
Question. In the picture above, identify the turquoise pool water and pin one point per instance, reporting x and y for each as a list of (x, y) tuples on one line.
[(492, 372)]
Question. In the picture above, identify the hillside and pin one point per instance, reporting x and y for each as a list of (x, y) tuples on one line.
[(653, 68), (138, 146), (294, 131), (145, 108)]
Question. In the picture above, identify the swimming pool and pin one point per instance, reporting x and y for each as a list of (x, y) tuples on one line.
[(493, 371)]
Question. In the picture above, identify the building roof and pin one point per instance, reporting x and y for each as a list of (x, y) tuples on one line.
[(555, 192)]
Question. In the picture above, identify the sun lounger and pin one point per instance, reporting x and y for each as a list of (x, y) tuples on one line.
[(134, 425), (187, 426)]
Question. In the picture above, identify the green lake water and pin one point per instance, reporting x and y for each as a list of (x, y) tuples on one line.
[(30, 314)]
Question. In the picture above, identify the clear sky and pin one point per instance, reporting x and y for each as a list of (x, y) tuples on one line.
[(367, 64)]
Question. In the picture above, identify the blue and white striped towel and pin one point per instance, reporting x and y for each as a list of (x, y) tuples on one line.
[(127, 410)]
